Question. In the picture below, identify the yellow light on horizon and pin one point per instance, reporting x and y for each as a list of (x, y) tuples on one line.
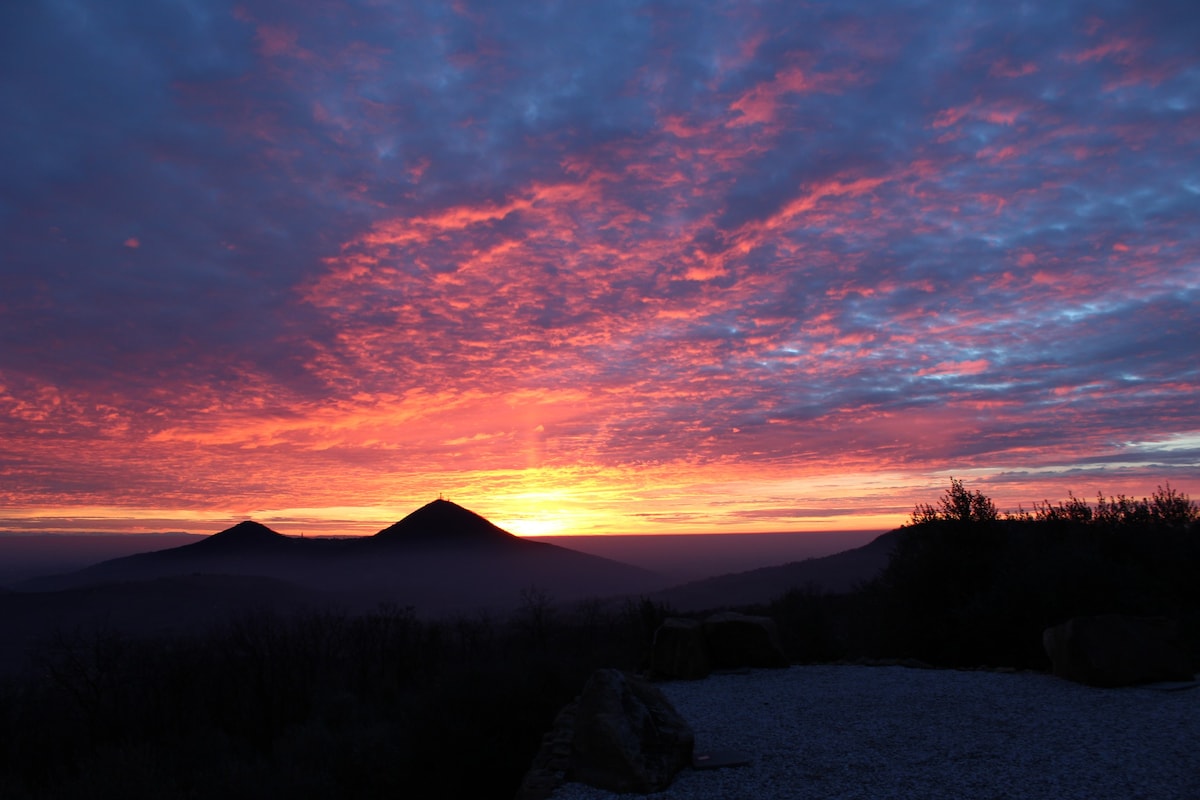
[(531, 526)]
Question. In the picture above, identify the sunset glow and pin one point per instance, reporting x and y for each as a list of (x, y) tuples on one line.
[(593, 268)]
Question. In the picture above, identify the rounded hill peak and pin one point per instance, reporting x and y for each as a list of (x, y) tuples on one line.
[(444, 523), (247, 533), (248, 527)]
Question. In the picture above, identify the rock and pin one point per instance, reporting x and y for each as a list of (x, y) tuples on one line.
[(549, 768), (1116, 650), (739, 640), (628, 737), (679, 650)]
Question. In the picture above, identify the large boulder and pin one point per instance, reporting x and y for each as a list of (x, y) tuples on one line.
[(1116, 650), (679, 650), (628, 737), (740, 640)]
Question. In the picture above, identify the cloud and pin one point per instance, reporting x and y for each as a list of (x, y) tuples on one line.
[(261, 254)]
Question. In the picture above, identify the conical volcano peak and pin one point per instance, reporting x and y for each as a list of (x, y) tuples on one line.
[(444, 523)]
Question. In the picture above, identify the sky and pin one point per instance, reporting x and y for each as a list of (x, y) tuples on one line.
[(583, 267)]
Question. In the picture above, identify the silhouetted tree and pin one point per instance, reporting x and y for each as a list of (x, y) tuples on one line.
[(957, 505)]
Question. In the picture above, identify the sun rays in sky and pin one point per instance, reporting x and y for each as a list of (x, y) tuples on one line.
[(593, 268)]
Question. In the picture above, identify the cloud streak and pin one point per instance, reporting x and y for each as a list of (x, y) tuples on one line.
[(768, 263)]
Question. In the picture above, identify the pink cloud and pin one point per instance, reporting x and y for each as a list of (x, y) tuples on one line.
[(1007, 69), (275, 41), (1119, 50), (950, 116), (760, 104), (1002, 113), (974, 367)]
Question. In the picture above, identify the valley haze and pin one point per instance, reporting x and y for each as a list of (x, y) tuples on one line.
[(682, 557)]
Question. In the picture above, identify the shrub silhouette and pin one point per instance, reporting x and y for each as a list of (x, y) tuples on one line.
[(957, 505), (965, 586)]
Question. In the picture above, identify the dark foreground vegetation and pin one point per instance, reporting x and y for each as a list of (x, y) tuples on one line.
[(967, 586), (386, 704), (315, 705)]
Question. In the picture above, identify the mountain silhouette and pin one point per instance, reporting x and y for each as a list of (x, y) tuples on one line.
[(245, 537), (441, 557), (445, 524)]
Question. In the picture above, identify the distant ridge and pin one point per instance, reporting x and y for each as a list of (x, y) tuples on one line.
[(837, 573), (445, 524)]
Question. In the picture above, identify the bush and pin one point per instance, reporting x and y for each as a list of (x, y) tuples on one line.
[(957, 505), (964, 587)]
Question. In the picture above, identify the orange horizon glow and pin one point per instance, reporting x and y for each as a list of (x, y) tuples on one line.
[(596, 509)]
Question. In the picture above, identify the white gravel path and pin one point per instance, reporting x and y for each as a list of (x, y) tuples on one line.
[(890, 732)]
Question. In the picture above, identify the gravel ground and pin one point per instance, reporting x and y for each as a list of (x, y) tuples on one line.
[(882, 732)]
